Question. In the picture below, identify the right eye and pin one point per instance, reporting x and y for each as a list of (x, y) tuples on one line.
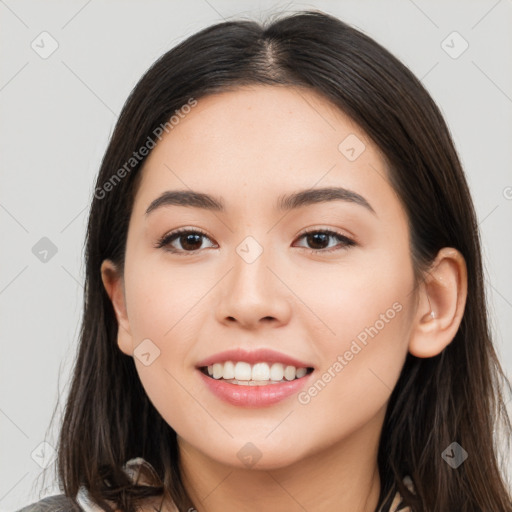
[(189, 239)]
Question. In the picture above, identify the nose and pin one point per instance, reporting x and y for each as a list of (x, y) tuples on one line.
[(254, 294)]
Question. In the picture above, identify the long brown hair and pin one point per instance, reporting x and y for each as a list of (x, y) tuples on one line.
[(456, 396)]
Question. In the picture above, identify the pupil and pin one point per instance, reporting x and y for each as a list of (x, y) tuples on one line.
[(315, 238), (189, 240)]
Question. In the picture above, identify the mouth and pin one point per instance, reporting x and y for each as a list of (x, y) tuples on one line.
[(242, 373)]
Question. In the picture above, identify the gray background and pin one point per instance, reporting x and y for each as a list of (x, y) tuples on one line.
[(58, 113)]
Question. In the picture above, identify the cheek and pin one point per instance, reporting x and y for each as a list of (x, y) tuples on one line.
[(160, 307), (364, 308), (166, 307), (361, 365), (358, 293), (161, 303)]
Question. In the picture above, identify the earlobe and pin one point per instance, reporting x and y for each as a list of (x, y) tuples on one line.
[(114, 286), (442, 298)]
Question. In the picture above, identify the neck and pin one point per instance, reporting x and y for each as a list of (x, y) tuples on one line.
[(341, 476)]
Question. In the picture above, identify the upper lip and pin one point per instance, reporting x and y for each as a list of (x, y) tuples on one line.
[(252, 357)]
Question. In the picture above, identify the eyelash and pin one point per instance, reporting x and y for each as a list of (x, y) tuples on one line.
[(163, 243)]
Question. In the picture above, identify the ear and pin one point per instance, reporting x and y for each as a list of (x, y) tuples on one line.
[(114, 285), (441, 302)]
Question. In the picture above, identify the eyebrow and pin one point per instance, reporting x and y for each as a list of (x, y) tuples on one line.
[(286, 202)]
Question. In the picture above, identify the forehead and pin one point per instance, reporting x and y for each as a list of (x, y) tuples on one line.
[(282, 118), (259, 141)]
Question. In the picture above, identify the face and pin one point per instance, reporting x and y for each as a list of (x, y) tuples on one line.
[(324, 279)]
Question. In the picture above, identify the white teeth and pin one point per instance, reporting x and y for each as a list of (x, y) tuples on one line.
[(229, 370), (301, 372), (277, 371), (242, 371), (218, 370), (245, 374), (260, 371), (289, 373)]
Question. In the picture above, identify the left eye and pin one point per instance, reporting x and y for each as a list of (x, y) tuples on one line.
[(322, 236), (191, 241)]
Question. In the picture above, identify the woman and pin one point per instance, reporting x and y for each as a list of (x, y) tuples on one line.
[(284, 305)]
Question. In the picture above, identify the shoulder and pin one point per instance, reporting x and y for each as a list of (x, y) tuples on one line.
[(56, 503), (139, 470)]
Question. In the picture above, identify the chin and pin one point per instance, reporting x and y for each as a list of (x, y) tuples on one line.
[(259, 455)]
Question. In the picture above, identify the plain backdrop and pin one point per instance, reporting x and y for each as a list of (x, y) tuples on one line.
[(67, 68)]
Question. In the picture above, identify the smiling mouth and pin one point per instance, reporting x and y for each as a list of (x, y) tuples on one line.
[(256, 382)]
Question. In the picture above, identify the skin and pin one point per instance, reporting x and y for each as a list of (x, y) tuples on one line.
[(250, 146)]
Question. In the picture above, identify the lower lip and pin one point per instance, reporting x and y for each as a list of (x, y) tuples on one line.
[(254, 396)]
